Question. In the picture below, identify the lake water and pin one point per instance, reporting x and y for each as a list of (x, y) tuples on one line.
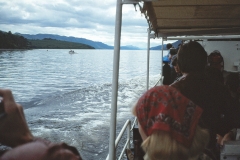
[(67, 97)]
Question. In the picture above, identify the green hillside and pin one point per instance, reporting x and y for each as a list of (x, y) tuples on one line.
[(49, 43)]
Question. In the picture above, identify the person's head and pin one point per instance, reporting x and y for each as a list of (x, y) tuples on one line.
[(40, 150), (215, 60), (172, 52), (192, 57), (168, 124), (169, 45)]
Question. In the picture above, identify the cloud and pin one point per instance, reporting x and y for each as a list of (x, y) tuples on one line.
[(91, 19)]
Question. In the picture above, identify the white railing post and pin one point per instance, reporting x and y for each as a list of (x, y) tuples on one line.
[(162, 57), (129, 134), (118, 24), (148, 57)]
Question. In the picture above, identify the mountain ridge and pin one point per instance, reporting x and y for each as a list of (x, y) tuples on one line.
[(159, 47), (95, 44)]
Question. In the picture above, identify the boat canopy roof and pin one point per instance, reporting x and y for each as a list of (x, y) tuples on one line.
[(193, 17)]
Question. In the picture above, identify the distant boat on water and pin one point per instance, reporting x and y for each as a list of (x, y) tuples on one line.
[(71, 52)]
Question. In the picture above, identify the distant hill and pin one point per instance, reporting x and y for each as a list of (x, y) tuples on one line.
[(130, 47), (20, 41), (96, 45), (175, 44), (48, 43)]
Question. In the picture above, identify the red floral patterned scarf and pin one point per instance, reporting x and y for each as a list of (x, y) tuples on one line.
[(165, 108)]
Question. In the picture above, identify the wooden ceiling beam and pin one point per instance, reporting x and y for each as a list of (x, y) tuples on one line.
[(187, 32), (198, 12), (193, 17), (194, 2), (196, 23)]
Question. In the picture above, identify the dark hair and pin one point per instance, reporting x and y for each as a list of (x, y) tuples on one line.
[(169, 45), (220, 112), (192, 57)]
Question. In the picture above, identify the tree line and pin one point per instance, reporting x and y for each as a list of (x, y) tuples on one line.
[(12, 41), (48, 43)]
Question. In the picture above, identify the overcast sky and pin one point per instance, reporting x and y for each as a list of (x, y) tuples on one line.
[(90, 19)]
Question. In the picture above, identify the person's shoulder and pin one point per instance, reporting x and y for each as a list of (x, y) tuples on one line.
[(179, 82)]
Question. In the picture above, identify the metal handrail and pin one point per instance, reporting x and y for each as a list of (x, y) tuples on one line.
[(158, 81), (134, 122), (127, 125)]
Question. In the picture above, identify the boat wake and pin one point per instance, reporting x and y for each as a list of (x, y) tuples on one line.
[(82, 117)]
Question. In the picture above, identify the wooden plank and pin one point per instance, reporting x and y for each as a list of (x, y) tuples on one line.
[(180, 32), (231, 12), (197, 23), (199, 29), (194, 2), (194, 17)]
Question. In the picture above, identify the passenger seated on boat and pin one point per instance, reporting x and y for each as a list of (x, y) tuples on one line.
[(220, 111), (14, 132), (168, 125), (168, 46), (172, 52), (176, 68), (215, 60), (172, 55), (191, 58), (199, 84), (166, 73), (232, 84)]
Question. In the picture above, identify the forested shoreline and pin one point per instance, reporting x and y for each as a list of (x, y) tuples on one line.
[(14, 41), (11, 41), (48, 43)]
